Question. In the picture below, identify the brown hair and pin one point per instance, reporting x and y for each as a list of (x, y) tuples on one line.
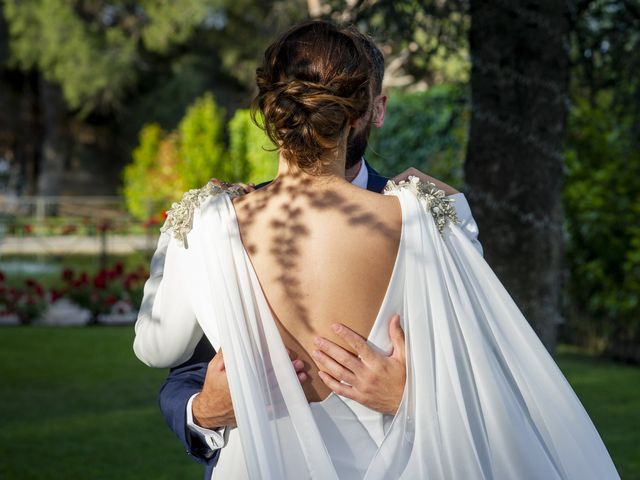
[(314, 79)]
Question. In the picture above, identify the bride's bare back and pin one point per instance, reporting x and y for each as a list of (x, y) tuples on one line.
[(323, 253)]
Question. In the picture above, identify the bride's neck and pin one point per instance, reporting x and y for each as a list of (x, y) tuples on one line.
[(330, 170)]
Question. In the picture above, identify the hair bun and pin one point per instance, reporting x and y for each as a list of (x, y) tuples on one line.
[(313, 81)]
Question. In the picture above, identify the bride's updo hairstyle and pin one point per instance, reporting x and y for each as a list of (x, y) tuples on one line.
[(313, 81)]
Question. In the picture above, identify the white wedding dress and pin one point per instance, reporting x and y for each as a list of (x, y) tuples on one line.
[(483, 398)]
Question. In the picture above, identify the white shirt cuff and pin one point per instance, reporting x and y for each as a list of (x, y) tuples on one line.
[(214, 439)]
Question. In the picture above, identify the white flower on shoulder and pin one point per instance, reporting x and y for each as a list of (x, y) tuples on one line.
[(434, 199), (180, 215)]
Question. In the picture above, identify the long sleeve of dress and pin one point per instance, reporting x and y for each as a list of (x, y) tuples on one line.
[(167, 330)]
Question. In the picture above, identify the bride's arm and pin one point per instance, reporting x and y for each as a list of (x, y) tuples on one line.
[(167, 331)]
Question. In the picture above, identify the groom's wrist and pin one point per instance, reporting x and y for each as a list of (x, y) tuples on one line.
[(208, 439), (205, 416)]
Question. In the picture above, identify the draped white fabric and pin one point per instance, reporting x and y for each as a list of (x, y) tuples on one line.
[(483, 399)]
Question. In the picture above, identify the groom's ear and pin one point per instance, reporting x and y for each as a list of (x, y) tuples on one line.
[(379, 110)]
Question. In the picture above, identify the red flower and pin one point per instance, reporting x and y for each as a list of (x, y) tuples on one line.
[(118, 269), (67, 274), (27, 229), (56, 294), (100, 280)]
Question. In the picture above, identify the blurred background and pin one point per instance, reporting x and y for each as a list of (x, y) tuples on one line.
[(110, 110)]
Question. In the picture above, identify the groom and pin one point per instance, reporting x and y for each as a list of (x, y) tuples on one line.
[(195, 398)]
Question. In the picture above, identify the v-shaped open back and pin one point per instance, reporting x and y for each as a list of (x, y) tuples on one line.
[(235, 231)]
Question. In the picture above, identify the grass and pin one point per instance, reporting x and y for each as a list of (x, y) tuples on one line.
[(76, 404), (610, 392)]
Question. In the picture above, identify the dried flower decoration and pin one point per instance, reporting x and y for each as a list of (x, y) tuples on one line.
[(180, 215), (433, 199)]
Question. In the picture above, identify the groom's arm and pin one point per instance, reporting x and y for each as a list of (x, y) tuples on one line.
[(175, 399)]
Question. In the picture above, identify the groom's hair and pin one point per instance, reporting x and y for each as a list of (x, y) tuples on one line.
[(313, 80), (358, 141), (375, 57)]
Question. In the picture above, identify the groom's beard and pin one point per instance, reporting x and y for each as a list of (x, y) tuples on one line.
[(356, 146)]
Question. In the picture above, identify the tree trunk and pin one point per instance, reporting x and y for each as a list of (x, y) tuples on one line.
[(514, 164), (55, 145)]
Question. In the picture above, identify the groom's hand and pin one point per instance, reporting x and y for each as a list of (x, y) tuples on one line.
[(374, 380), (448, 189), (246, 187), (212, 407)]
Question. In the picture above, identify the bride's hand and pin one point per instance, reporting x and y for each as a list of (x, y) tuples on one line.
[(373, 379), (212, 407)]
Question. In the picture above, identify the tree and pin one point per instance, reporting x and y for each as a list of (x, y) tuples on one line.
[(514, 165), (120, 64), (424, 41)]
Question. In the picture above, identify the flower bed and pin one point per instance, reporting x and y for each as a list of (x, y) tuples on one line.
[(80, 226), (110, 296)]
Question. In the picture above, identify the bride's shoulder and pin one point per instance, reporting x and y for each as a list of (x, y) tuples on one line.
[(180, 217), (433, 199)]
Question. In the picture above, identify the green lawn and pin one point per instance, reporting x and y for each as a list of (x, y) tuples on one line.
[(76, 404)]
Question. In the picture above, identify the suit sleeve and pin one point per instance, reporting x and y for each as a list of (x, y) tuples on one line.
[(467, 222), (176, 391)]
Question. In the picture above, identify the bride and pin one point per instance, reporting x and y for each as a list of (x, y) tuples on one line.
[(276, 268)]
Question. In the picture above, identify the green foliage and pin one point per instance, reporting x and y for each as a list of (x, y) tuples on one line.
[(606, 54), (102, 52), (151, 181), (201, 148), (424, 41), (165, 164), (173, 23), (253, 158), (602, 202), (426, 130), (94, 64)]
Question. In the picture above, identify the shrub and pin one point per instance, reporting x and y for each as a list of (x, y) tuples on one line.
[(151, 181), (602, 204), (100, 292), (201, 149), (166, 164), (426, 130), (253, 158), (28, 302)]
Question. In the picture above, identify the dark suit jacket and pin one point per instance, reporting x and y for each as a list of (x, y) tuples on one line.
[(187, 379)]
